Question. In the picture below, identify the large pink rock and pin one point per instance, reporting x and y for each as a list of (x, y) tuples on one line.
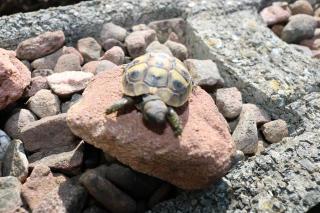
[(201, 155), (275, 14), (14, 78)]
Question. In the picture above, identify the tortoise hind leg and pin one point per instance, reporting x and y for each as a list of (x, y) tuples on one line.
[(174, 120), (121, 103)]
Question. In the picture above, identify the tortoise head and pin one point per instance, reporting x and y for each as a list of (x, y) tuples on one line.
[(154, 109)]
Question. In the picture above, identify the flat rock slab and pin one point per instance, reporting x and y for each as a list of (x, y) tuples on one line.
[(200, 156)]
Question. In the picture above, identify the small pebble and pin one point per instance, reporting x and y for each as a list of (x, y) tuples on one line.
[(115, 55), (275, 131), (229, 102), (89, 48), (68, 62), (110, 30)]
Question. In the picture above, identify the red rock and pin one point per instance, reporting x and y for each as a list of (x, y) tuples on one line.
[(173, 37), (40, 46), (39, 184), (301, 7), (115, 55), (275, 14), (229, 102), (313, 44), (200, 156), (14, 78), (138, 41)]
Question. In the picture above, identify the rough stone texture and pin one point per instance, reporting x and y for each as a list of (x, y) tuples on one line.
[(245, 134), (69, 82), (112, 198), (37, 83), (68, 62), (166, 26), (114, 54), (157, 47), (275, 131), (46, 133), (229, 102), (65, 159), (10, 188), (111, 42), (89, 48), (17, 121), (137, 42), (236, 39), (15, 161), (96, 67), (4, 144), (72, 50), (205, 73), (110, 30), (47, 62), (156, 152), (275, 14), (39, 185), (257, 113), (44, 103), (300, 27), (14, 78), (178, 50), (40, 46)]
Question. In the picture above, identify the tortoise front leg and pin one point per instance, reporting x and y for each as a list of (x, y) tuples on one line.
[(174, 120), (125, 101)]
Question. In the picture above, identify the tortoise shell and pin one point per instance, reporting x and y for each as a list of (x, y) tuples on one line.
[(158, 74)]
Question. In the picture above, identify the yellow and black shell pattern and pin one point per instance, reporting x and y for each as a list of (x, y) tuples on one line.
[(158, 74)]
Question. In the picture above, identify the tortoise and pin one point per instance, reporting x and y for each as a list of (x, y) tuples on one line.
[(155, 83)]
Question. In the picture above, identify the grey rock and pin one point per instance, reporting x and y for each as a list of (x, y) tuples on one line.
[(138, 185), (15, 161), (4, 143), (112, 198), (302, 49), (17, 121), (47, 62), (233, 124), (44, 103), (89, 48), (204, 73), (275, 131), (178, 50), (229, 102), (156, 47), (259, 114), (137, 42), (66, 105), (245, 135), (110, 30), (65, 159), (68, 62), (111, 42), (46, 133), (41, 72), (27, 63), (300, 27), (10, 188)]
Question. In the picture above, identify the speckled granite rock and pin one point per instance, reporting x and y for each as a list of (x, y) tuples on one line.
[(268, 72)]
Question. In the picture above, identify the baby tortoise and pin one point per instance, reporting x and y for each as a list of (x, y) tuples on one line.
[(157, 82)]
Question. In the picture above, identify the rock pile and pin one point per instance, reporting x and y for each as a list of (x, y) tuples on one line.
[(297, 23), (59, 152)]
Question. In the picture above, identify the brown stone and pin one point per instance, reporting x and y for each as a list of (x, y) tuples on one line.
[(115, 55), (277, 29), (39, 184), (47, 62), (301, 7), (68, 62), (14, 78), (37, 83), (96, 67), (41, 45), (275, 14), (72, 50), (200, 156), (48, 132), (89, 48)]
